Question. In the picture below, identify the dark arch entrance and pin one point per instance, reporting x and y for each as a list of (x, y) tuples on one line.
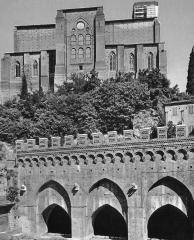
[(107, 221), (169, 223), (57, 220)]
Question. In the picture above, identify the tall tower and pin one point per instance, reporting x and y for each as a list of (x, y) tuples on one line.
[(147, 9)]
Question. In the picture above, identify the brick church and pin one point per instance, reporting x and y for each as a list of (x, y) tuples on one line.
[(79, 41)]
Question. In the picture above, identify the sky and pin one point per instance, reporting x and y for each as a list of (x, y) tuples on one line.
[(176, 18)]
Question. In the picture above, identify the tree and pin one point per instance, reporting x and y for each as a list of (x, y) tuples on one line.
[(190, 77)]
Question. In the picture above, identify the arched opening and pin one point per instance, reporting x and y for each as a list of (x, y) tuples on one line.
[(150, 61), (168, 222), (113, 63), (107, 221), (181, 190), (17, 69), (35, 68), (57, 220)]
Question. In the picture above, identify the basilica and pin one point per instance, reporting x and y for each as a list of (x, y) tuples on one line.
[(82, 40)]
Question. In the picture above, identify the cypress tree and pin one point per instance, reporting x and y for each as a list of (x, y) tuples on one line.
[(190, 77)]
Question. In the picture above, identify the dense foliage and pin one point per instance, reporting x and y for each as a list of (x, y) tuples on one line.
[(85, 104), (190, 77)]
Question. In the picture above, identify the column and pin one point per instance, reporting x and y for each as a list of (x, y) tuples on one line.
[(61, 38), (44, 73), (120, 58), (139, 55), (100, 40)]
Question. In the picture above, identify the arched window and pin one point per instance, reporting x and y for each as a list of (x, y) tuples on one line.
[(80, 40), (73, 40), (112, 58), (88, 39), (17, 69), (35, 68), (132, 62), (73, 53), (81, 53), (88, 53), (150, 61)]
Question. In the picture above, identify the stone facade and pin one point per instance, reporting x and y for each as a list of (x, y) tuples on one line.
[(116, 187), (181, 112), (81, 40)]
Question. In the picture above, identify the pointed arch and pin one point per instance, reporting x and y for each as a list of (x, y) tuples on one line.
[(115, 189), (88, 53), (73, 40), (180, 189), (132, 62), (113, 61), (81, 53), (57, 220), (17, 69), (88, 39), (107, 221), (35, 68), (60, 190), (168, 222), (80, 40), (73, 53), (150, 61)]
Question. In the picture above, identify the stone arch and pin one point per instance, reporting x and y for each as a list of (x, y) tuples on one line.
[(139, 155), (110, 157), (130, 155), (119, 156), (181, 190), (161, 155), (168, 222), (57, 220), (50, 193), (105, 192), (107, 221), (172, 154), (92, 159), (150, 154), (116, 191)]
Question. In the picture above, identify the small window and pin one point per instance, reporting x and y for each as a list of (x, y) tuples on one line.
[(150, 61), (35, 68), (112, 59), (132, 62), (81, 53), (17, 69), (80, 40), (80, 67), (88, 53), (191, 109), (73, 40), (88, 39), (174, 111), (73, 53)]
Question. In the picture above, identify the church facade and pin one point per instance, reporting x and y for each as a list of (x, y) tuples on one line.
[(79, 41)]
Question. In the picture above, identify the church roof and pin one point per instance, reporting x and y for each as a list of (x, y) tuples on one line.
[(41, 26)]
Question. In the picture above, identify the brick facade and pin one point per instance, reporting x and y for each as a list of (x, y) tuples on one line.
[(106, 46)]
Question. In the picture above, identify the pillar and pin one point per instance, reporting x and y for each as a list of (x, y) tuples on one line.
[(162, 59), (120, 53), (139, 56), (61, 40), (5, 78), (100, 40), (156, 31), (44, 73)]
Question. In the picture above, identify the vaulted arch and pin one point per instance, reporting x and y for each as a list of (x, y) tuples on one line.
[(114, 189), (107, 221), (180, 189), (168, 222)]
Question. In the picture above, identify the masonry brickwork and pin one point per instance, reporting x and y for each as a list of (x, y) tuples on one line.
[(139, 182), (79, 41)]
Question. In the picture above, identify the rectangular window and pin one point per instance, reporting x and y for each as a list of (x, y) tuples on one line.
[(191, 109), (174, 111), (182, 116)]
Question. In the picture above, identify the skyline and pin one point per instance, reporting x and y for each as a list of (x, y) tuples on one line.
[(177, 25)]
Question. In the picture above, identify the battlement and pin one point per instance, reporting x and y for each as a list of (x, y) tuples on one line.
[(82, 140)]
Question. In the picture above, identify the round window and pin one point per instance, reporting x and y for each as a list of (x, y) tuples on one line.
[(80, 25)]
